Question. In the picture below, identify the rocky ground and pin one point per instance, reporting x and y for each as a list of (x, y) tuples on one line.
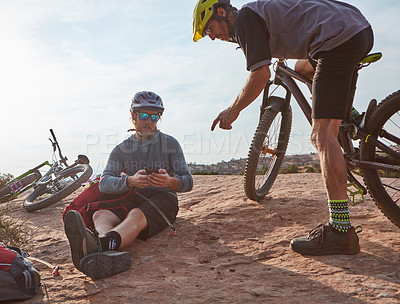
[(229, 249)]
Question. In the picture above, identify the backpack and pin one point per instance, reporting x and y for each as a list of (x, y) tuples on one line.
[(92, 199), (19, 280)]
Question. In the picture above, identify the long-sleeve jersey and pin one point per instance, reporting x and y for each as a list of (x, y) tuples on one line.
[(160, 151)]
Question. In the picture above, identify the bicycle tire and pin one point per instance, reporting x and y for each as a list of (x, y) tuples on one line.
[(384, 186), (275, 125), (56, 190), (23, 182)]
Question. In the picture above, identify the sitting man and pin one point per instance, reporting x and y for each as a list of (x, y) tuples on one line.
[(155, 204)]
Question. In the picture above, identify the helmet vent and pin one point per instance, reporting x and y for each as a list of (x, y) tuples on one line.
[(147, 99)]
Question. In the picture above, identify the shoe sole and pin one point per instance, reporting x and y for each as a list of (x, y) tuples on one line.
[(335, 251), (99, 265), (75, 230)]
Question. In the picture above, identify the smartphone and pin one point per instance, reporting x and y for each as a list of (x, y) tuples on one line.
[(151, 170)]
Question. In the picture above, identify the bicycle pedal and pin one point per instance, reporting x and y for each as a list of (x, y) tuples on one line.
[(353, 194)]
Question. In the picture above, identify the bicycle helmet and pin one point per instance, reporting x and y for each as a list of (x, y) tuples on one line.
[(204, 10), (147, 100)]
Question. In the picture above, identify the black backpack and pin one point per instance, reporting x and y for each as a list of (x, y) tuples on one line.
[(18, 277)]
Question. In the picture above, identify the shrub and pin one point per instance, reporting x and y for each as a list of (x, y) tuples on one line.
[(289, 169), (4, 179), (11, 233), (310, 170), (205, 173), (317, 167)]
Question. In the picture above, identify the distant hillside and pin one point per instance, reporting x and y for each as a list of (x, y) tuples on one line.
[(237, 166)]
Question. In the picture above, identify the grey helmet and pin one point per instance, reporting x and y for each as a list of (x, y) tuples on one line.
[(147, 100)]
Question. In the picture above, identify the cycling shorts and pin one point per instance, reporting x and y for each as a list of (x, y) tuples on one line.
[(334, 71), (167, 202)]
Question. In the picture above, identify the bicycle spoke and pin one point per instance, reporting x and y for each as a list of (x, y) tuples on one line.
[(267, 148), (392, 190), (268, 155), (390, 180)]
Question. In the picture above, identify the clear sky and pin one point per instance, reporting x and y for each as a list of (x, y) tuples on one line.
[(74, 66)]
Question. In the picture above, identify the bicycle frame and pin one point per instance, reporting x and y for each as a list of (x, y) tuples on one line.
[(285, 77), (16, 186)]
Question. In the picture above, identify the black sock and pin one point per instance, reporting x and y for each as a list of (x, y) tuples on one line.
[(111, 241)]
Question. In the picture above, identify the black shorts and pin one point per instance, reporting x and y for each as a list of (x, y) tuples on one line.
[(167, 202), (334, 71)]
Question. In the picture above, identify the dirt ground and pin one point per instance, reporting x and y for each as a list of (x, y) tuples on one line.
[(229, 249)]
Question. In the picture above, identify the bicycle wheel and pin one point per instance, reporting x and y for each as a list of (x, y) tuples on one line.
[(384, 185), (63, 185), (267, 150), (17, 185)]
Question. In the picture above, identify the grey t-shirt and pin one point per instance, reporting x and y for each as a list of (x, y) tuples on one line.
[(160, 151), (294, 29)]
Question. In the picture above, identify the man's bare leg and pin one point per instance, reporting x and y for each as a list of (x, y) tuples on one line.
[(304, 67), (104, 221), (324, 138), (338, 237), (129, 229)]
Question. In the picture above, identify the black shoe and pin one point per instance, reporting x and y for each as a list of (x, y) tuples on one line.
[(104, 264), (325, 240), (81, 240)]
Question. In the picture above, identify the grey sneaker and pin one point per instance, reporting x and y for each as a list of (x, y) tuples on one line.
[(81, 240), (324, 240), (104, 264)]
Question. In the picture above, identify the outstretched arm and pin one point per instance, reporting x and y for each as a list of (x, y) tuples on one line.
[(253, 87)]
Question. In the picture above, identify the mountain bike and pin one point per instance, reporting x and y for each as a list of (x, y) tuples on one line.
[(57, 183), (376, 159)]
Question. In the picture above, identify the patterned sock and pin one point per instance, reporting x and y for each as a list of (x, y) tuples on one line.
[(111, 241), (339, 216)]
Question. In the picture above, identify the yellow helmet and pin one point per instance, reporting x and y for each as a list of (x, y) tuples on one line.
[(202, 13)]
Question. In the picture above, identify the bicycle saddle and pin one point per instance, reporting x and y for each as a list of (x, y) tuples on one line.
[(370, 58)]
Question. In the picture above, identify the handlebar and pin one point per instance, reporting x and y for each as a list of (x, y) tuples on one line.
[(52, 134), (56, 146)]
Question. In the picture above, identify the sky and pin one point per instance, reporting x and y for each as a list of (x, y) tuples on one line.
[(73, 66)]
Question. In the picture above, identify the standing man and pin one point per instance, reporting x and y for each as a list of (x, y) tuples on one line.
[(153, 164), (331, 35)]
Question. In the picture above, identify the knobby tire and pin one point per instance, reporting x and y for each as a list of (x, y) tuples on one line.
[(57, 192), (272, 134), (384, 186)]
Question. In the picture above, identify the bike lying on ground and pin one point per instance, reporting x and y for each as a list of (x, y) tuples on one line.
[(57, 183), (377, 158)]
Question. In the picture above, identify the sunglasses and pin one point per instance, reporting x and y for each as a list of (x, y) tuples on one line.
[(145, 116)]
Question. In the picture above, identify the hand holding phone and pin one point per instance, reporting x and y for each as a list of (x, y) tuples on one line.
[(151, 170)]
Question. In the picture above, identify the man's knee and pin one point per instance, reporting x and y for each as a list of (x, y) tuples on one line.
[(105, 215), (316, 140), (304, 67), (137, 217), (324, 132)]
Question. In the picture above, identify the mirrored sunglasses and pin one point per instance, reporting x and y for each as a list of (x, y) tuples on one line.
[(145, 116)]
